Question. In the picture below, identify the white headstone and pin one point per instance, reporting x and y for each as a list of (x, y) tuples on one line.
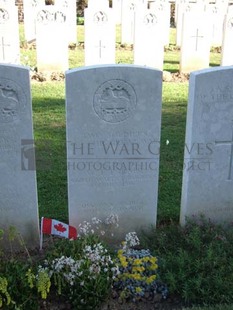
[(149, 39), (70, 7), (99, 36), (208, 169), (113, 134), (227, 46), (18, 199), (217, 14), (163, 8), (96, 4), (30, 7), (129, 8), (178, 5), (7, 2), (183, 9), (224, 4), (9, 34), (195, 44), (51, 39)]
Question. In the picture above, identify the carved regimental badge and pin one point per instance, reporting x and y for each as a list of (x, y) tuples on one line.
[(132, 6), (150, 19), (34, 3), (115, 101), (12, 101), (44, 17), (100, 18), (4, 16)]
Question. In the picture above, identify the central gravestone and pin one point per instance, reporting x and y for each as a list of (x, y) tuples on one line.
[(113, 137)]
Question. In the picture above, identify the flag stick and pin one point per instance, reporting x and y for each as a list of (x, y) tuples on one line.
[(41, 233)]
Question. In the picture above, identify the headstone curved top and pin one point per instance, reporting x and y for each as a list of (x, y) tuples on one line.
[(113, 134)]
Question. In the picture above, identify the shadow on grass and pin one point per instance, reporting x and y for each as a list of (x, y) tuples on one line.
[(173, 62), (50, 142), (171, 162), (213, 64)]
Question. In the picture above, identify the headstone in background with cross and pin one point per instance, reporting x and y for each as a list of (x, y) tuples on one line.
[(129, 9), (183, 8), (30, 8), (217, 13), (99, 35), (195, 42), (9, 34)]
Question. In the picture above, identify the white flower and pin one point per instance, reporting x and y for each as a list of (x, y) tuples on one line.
[(131, 239), (112, 219), (96, 221)]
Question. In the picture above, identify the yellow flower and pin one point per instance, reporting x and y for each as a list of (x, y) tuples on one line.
[(153, 260), (146, 259), (124, 264), (153, 267), (138, 289), (137, 262), (150, 279), (123, 261), (120, 252), (138, 269), (136, 276)]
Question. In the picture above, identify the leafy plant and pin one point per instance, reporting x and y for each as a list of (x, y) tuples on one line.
[(4, 295), (195, 260)]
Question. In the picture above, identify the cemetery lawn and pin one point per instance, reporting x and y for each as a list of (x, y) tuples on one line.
[(195, 262)]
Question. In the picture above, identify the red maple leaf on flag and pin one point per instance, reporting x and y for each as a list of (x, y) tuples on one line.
[(60, 227)]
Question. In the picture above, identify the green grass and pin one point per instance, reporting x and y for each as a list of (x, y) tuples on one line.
[(50, 140)]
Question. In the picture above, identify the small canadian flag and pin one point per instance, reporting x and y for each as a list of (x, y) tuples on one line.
[(54, 227)]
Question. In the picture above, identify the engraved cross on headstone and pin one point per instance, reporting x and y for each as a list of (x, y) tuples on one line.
[(3, 45), (197, 36), (231, 155), (100, 46)]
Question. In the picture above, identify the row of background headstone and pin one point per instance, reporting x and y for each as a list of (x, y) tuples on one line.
[(113, 123), (137, 28)]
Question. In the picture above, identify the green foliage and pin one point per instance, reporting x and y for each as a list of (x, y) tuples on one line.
[(196, 260), (15, 292), (80, 21), (4, 295), (20, 294)]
